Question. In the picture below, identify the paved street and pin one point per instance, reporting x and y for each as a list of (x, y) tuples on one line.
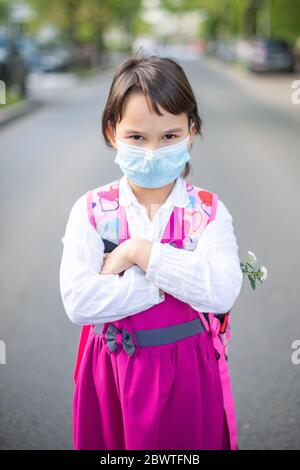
[(249, 155)]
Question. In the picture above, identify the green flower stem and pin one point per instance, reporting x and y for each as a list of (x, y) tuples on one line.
[(250, 265)]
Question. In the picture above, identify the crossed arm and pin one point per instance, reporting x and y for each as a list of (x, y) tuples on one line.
[(132, 251)]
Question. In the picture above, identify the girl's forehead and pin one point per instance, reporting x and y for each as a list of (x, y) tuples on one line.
[(137, 112)]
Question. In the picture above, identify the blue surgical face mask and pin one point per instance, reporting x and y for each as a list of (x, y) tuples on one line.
[(152, 168)]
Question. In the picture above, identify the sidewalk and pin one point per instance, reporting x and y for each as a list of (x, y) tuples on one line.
[(274, 89), (22, 108)]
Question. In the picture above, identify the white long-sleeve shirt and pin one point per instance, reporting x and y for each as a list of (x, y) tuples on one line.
[(208, 278)]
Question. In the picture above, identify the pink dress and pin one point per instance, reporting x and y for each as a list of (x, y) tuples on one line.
[(162, 397)]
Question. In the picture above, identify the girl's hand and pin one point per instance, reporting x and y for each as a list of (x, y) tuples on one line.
[(119, 259)]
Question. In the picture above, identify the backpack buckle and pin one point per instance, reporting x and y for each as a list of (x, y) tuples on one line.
[(223, 322)]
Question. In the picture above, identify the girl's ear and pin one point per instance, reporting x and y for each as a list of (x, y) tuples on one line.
[(110, 134)]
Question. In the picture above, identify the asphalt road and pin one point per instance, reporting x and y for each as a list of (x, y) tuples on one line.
[(249, 155)]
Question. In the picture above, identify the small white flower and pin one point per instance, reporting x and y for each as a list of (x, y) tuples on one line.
[(252, 257), (264, 272)]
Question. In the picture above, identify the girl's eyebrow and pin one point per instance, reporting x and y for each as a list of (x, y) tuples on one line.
[(176, 129)]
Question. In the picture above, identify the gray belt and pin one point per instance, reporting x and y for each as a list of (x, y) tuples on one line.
[(153, 337)]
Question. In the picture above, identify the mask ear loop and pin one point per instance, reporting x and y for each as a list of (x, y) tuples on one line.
[(192, 125)]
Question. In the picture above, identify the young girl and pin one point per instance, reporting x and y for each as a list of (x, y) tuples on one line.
[(149, 376)]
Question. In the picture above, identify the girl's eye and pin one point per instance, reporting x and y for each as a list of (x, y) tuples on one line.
[(171, 135), (134, 136)]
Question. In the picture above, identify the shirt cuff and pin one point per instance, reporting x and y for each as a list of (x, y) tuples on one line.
[(144, 288), (154, 260)]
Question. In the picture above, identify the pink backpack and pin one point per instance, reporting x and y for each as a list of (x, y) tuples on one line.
[(107, 217)]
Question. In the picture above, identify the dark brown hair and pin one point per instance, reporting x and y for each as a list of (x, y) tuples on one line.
[(161, 79)]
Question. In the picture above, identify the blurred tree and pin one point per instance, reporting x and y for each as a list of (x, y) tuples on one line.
[(85, 21), (125, 14), (285, 19), (4, 10), (227, 18), (249, 18)]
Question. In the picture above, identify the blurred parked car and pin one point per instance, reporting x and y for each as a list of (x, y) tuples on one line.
[(55, 59), (269, 55), (226, 50), (13, 70), (243, 50), (30, 52)]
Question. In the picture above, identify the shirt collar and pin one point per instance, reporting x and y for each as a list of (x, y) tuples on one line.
[(178, 196)]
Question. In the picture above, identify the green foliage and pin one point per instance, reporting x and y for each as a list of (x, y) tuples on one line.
[(83, 21), (4, 8), (285, 19), (231, 18)]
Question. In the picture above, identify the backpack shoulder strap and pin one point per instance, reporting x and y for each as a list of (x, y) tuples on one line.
[(103, 213), (104, 210), (200, 211), (214, 204)]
